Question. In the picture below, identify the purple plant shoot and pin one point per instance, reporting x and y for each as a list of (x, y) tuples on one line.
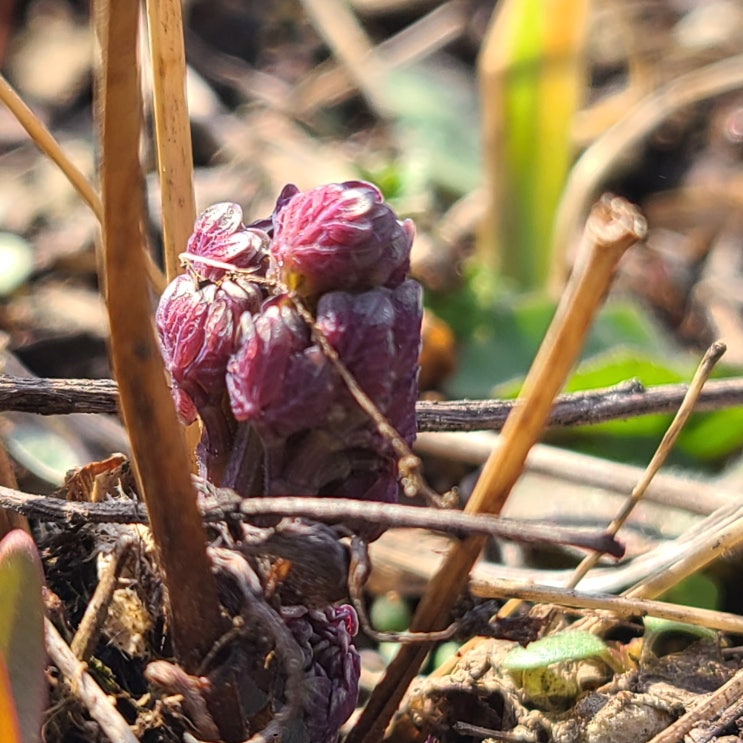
[(332, 667), (339, 236)]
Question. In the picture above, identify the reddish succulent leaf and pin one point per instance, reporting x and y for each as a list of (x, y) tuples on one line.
[(8, 718), (22, 634)]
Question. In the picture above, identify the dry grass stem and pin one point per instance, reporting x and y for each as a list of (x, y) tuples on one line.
[(391, 555), (147, 407), (600, 159), (612, 227), (82, 686), (89, 630), (706, 549), (618, 605), (329, 83), (582, 469), (338, 26), (711, 357), (44, 140), (172, 128)]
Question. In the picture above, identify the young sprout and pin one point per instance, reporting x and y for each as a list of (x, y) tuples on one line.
[(661, 635), (271, 337), (554, 670)]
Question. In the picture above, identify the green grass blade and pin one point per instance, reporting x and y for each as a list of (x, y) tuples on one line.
[(531, 84)]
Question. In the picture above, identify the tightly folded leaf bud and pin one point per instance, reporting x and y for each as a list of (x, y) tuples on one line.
[(339, 236), (318, 439), (197, 328), (277, 378), (377, 337), (332, 667), (219, 235)]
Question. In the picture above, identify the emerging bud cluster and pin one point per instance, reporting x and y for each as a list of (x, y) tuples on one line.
[(240, 353)]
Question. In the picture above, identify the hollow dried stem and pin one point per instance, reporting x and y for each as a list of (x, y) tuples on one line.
[(159, 453), (172, 129), (617, 605)]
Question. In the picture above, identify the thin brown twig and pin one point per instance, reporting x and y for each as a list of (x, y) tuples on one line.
[(89, 630), (612, 227), (85, 688), (330, 510), (729, 693), (714, 535), (50, 396), (711, 357), (358, 573)]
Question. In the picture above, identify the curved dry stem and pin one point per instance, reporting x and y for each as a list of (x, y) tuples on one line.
[(44, 140), (597, 162)]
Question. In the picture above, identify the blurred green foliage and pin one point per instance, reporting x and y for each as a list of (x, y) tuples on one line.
[(499, 332)]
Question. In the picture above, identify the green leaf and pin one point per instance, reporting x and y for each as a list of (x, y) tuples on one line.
[(502, 339), (557, 648), (655, 626), (436, 127), (697, 590), (22, 630)]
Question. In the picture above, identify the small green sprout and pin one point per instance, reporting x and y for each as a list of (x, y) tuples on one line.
[(557, 648), (554, 670)]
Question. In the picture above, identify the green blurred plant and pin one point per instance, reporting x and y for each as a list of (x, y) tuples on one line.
[(531, 79)]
